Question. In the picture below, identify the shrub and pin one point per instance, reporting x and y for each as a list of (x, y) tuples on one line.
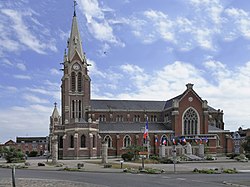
[(232, 155), (127, 156), (230, 171), (166, 160), (154, 157), (210, 157), (13, 156), (241, 158), (33, 154), (248, 156)]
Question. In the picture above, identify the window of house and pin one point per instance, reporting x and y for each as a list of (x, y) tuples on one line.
[(94, 139), (73, 81), (119, 118), (60, 142), (108, 140), (83, 141), (71, 141), (190, 120), (102, 118), (153, 118), (73, 108), (79, 82), (136, 118), (126, 141), (80, 109)]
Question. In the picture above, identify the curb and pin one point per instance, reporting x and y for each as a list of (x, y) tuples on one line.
[(233, 184)]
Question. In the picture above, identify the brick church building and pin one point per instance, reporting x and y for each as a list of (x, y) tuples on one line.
[(85, 123)]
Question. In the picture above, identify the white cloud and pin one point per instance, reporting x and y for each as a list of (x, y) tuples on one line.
[(21, 66), (98, 25), (7, 62), (208, 20), (132, 69), (34, 119), (241, 22), (24, 35), (9, 89), (54, 71), (230, 92), (161, 24), (22, 77), (34, 99)]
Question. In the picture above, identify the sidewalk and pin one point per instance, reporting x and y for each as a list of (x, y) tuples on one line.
[(94, 165)]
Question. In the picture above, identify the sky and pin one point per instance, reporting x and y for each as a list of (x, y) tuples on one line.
[(139, 50)]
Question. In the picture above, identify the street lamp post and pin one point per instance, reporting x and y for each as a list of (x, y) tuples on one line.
[(174, 157)]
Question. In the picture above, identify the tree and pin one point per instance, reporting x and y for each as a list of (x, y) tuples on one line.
[(1, 151), (134, 149), (11, 155), (246, 145)]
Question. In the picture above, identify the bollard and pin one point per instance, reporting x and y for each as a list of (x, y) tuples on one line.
[(121, 163), (13, 177)]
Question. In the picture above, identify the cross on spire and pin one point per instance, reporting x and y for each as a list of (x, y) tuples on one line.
[(75, 3), (55, 104)]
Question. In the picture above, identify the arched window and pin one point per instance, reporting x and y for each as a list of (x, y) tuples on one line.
[(79, 82), (137, 118), (71, 141), (73, 81), (80, 109), (102, 118), (155, 118), (126, 141), (190, 122), (94, 141), (119, 118), (73, 109), (61, 142), (83, 141), (108, 140)]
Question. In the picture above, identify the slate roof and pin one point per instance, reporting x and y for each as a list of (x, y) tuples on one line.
[(126, 105), (211, 109), (213, 128), (30, 139), (128, 127), (169, 102)]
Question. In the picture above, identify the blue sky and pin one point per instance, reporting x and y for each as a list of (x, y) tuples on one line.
[(138, 49)]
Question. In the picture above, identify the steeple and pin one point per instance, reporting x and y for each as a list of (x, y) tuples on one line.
[(55, 113), (74, 42)]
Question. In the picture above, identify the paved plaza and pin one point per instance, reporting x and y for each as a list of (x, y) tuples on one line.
[(94, 165)]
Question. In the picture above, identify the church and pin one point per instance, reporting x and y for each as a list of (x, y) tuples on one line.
[(86, 123)]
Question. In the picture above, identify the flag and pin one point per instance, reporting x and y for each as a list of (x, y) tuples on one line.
[(206, 140), (180, 140), (145, 135), (196, 140), (164, 141), (174, 141), (156, 141), (184, 140)]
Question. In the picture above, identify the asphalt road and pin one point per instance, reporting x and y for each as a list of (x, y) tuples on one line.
[(133, 180)]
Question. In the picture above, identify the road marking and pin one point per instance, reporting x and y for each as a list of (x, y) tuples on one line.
[(181, 179), (164, 177)]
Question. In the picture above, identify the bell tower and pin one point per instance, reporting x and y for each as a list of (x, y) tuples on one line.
[(75, 87)]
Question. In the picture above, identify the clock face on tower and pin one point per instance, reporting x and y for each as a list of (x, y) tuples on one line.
[(76, 66)]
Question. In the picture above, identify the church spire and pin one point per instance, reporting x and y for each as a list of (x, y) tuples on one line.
[(55, 113), (75, 3), (74, 42)]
